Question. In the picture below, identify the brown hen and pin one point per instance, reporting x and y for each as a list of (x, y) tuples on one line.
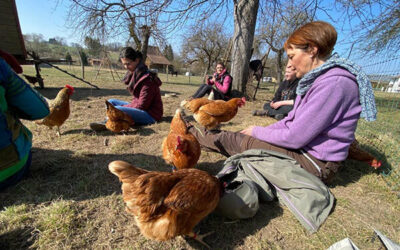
[(194, 105), (166, 205), (118, 121), (180, 148), (358, 154), (212, 114), (59, 109)]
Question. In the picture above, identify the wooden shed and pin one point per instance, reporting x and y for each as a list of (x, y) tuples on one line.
[(156, 60), (11, 40)]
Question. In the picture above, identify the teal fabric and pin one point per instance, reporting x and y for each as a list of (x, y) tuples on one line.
[(17, 101), (277, 175), (367, 98)]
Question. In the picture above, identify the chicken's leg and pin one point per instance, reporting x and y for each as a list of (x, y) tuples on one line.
[(200, 237), (58, 131)]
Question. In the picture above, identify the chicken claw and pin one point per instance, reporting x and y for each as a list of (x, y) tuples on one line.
[(200, 237)]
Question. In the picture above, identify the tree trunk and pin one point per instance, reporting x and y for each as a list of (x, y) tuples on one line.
[(245, 15), (279, 65), (145, 40)]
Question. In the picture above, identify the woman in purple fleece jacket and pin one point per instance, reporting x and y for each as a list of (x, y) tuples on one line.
[(318, 131)]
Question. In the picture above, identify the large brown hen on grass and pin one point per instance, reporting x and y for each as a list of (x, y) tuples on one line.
[(166, 205), (180, 148)]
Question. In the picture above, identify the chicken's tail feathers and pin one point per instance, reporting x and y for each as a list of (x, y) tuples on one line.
[(125, 170), (109, 106), (183, 103), (178, 124), (180, 111)]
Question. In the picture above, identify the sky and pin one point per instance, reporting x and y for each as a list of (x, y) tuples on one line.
[(44, 17), (48, 17)]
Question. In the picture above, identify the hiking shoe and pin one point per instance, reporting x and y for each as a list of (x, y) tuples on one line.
[(260, 112), (98, 126), (279, 117)]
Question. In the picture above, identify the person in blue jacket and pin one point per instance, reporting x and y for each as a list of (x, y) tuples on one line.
[(17, 101)]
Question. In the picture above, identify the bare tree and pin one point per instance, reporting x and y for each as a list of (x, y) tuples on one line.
[(206, 44), (111, 18), (378, 27), (278, 21)]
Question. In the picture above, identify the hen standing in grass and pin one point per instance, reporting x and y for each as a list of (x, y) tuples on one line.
[(180, 148), (166, 205), (59, 109), (118, 121)]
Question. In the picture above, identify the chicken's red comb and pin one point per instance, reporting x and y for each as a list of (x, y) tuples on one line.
[(70, 88), (243, 99)]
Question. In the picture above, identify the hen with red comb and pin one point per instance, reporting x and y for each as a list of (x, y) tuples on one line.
[(59, 109)]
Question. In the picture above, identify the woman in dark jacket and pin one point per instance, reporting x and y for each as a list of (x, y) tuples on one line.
[(146, 106), (283, 101)]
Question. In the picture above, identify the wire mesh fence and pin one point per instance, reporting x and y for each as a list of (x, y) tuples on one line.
[(381, 137)]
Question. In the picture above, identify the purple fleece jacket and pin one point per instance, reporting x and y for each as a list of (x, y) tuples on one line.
[(323, 121)]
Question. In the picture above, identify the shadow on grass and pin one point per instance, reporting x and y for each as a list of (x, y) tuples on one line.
[(17, 239), (229, 234), (353, 170), (142, 131), (84, 93), (61, 174)]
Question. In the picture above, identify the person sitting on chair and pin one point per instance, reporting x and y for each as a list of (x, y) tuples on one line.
[(283, 101), (222, 82)]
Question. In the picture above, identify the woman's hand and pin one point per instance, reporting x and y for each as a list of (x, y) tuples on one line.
[(276, 105), (248, 131)]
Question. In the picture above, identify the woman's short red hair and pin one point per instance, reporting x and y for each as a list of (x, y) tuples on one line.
[(319, 34)]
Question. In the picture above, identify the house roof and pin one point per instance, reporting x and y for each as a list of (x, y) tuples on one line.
[(13, 42), (156, 57)]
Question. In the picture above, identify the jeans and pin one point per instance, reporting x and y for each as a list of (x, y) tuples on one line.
[(12, 180), (140, 117)]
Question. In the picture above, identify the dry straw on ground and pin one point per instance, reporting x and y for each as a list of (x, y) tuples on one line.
[(70, 200)]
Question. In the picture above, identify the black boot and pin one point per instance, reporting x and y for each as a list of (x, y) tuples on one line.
[(260, 112)]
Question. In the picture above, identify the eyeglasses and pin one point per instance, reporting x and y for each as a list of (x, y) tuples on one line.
[(220, 68)]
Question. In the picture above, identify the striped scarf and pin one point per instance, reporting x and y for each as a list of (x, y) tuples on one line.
[(367, 98)]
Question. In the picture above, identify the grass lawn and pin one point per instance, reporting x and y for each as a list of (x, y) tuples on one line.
[(71, 200)]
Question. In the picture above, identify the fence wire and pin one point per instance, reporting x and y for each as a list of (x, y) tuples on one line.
[(381, 137)]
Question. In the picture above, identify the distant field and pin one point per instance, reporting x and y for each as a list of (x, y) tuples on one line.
[(72, 201)]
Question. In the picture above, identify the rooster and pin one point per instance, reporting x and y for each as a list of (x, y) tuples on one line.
[(212, 114), (59, 109), (118, 121), (356, 153), (180, 148), (166, 205)]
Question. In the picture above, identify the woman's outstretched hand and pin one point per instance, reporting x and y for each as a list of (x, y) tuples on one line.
[(248, 131)]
